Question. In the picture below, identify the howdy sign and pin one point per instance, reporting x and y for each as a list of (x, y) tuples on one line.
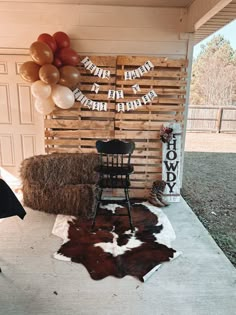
[(171, 157)]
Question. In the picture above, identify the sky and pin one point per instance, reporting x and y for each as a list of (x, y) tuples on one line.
[(229, 33)]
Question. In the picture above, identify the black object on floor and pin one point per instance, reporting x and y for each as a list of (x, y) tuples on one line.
[(9, 204)]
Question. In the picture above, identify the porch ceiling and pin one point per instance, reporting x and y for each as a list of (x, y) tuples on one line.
[(146, 3), (225, 16)]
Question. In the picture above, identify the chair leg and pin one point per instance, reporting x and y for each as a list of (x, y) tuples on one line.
[(99, 199), (129, 209)]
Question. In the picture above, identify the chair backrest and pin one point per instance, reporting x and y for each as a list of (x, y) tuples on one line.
[(115, 153)]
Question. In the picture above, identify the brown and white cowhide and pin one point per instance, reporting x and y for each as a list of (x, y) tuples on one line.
[(111, 249)]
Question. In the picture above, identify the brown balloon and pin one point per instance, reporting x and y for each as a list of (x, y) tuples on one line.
[(49, 74), (41, 53), (62, 39), (29, 71), (68, 56), (49, 40), (69, 76)]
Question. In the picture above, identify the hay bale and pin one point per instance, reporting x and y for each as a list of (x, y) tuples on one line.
[(60, 169), (60, 183), (77, 200)]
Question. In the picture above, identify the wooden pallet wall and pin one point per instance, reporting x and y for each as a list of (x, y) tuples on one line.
[(78, 128)]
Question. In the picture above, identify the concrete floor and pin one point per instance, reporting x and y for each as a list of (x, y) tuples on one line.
[(200, 281)]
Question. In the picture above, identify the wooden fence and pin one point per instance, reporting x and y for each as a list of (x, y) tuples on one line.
[(78, 128), (211, 119)]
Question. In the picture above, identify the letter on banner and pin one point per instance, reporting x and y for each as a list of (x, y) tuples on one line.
[(128, 75), (96, 105), (84, 100), (86, 59), (98, 72), (136, 88), (171, 164), (106, 74), (80, 97), (103, 106), (129, 106), (133, 74), (152, 94), (111, 94), (137, 103), (92, 67), (77, 93), (95, 88), (137, 73), (149, 65), (88, 64), (146, 99), (119, 94), (120, 107), (87, 101), (89, 104), (142, 70)]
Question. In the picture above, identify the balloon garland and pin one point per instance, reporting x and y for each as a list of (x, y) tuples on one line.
[(54, 77), (52, 72)]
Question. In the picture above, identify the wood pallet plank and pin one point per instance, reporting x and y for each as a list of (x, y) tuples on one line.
[(78, 128)]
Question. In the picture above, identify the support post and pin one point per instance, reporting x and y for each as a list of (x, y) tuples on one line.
[(219, 119)]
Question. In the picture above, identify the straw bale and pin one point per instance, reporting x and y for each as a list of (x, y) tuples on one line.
[(78, 200), (59, 169), (60, 183)]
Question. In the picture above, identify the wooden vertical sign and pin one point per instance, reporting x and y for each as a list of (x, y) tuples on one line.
[(171, 163)]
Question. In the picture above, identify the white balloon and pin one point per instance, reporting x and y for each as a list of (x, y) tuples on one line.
[(44, 106), (62, 96), (41, 90)]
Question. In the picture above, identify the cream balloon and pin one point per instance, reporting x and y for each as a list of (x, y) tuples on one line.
[(62, 96), (44, 106), (40, 89)]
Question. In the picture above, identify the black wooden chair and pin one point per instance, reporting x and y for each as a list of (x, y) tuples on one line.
[(114, 170)]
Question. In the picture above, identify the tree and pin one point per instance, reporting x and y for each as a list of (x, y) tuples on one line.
[(213, 74)]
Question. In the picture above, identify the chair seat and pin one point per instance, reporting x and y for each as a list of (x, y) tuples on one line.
[(114, 183), (111, 170)]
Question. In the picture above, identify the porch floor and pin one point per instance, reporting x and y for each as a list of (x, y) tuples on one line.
[(200, 281)]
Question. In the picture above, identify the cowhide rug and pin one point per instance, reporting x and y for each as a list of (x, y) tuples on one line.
[(112, 249)]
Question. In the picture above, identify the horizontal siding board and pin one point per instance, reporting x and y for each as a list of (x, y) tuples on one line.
[(131, 17), (125, 47), (137, 33)]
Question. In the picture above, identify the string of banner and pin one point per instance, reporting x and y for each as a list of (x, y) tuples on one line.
[(115, 94)]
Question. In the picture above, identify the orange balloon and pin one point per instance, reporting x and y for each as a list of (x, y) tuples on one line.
[(29, 71), (49, 74), (69, 76), (41, 53)]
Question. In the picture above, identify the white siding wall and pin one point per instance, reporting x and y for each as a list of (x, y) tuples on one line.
[(94, 29)]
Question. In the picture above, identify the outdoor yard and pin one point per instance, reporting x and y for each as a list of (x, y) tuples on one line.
[(209, 185)]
